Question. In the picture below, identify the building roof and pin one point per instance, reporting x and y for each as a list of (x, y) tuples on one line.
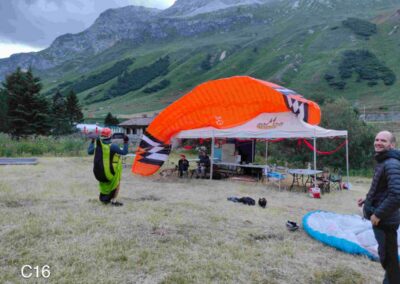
[(137, 121)]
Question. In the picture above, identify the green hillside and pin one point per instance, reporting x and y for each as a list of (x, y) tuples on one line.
[(350, 51)]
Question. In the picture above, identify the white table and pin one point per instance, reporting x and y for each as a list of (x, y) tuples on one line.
[(259, 174), (242, 165), (299, 174), (197, 159)]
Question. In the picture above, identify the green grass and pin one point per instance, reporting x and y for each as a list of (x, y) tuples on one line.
[(339, 275), (168, 231)]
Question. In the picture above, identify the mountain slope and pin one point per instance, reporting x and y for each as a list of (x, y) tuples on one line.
[(298, 44)]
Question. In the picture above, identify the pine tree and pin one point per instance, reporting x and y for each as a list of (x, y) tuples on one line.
[(111, 120), (3, 111), (74, 112), (42, 123), (27, 112), (59, 115)]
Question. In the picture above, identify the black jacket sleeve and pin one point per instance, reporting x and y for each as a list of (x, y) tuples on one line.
[(90, 150), (116, 149), (391, 202)]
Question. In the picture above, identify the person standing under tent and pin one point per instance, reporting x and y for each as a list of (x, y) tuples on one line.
[(107, 166), (203, 165), (382, 204), (238, 157)]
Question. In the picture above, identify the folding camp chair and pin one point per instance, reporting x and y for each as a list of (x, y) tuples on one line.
[(276, 176), (324, 182), (336, 180)]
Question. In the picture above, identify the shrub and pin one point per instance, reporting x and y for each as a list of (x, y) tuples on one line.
[(360, 27), (338, 115), (157, 87), (366, 66), (338, 84), (206, 63), (341, 115), (73, 145), (136, 79), (328, 77)]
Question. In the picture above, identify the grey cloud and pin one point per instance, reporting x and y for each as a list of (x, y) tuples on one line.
[(39, 22)]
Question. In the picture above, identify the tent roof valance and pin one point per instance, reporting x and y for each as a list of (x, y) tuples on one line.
[(266, 125)]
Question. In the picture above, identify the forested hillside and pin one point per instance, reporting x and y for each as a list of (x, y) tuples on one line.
[(321, 49)]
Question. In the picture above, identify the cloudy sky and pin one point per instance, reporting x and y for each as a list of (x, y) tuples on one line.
[(31, 25)]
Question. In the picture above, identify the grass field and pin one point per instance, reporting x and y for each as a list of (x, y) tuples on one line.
[(168, 231)]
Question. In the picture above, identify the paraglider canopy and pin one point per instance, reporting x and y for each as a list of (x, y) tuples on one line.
[(222, 103)]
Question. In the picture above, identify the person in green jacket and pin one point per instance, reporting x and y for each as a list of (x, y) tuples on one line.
[(108, 165)]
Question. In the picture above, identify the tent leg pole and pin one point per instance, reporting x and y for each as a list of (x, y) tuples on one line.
[(266, 152), (252, 150), (347, 161), (315, 160), (212, 157)]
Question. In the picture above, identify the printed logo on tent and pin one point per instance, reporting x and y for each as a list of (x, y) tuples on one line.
[(218, 120), (272, 123)]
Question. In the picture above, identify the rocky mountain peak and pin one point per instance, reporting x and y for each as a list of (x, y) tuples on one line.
[(137, 12), (189, 8), (139, 25)]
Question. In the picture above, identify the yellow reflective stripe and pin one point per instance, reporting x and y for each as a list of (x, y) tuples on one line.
[(106, 160)]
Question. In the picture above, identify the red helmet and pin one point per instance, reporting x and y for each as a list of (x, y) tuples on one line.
[(106, 132)]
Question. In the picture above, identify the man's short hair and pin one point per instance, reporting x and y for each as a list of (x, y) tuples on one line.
[(392, 138)]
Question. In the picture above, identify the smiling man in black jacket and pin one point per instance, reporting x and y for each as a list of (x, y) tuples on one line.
[(382, 204)]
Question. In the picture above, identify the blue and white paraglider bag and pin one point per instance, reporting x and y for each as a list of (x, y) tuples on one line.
[(349, 233)]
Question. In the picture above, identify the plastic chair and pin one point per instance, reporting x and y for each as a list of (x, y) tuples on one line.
[(276, 178)]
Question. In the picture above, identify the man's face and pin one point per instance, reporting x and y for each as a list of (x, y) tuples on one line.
[(382, 142)]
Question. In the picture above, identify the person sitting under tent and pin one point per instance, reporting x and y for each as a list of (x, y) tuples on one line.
[(323, 182), (107, 166), (183, 166), (203, 165)]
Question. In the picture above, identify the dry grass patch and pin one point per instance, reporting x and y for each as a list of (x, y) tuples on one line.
[(168, 231), (338, 275)]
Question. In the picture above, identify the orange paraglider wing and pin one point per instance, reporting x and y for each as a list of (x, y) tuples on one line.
[(221, 103)]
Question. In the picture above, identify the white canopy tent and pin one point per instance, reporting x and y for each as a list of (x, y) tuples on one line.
[(268, 126)]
